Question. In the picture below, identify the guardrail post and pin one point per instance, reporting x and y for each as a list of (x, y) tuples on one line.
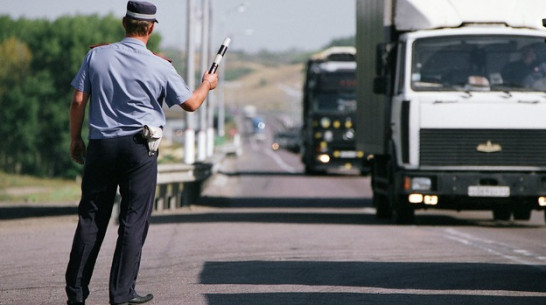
[(161, 197), (191, 192), (175, 199)]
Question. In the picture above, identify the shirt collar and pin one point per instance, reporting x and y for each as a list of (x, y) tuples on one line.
[(130, 40)]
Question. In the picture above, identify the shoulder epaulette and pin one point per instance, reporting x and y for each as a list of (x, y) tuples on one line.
[(156, 54), (165, 58), (98, 45)]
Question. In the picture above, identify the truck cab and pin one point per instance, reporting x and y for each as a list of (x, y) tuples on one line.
[(329, 112), (459, 103)]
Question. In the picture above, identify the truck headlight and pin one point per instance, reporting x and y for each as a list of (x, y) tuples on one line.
[(328, 136), (325, 122), (421, 183), (324, 158), (349, 135)]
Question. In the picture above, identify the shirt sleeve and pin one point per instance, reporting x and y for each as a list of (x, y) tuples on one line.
[(81, 80), (177, 89)]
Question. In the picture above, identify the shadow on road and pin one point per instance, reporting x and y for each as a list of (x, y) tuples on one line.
[(283, 202), (341, 211), (260, 173), (16, 212), (391, 282), (333, 298), (339, 173)]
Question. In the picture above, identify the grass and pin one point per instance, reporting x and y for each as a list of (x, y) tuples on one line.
[(28, 189), (258, 85)]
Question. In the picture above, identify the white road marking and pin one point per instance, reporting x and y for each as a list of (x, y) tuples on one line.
[(280, 162), (520, 256)]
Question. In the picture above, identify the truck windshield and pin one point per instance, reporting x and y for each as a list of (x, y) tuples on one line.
[(479, 63), (333, 102)]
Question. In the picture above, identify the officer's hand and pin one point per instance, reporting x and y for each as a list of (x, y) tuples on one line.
[(77, 151), (212, 79)]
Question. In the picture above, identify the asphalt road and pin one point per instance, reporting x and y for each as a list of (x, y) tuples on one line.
[(264, 233)]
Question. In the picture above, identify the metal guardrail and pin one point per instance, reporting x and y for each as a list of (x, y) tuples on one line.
[(179, 185)]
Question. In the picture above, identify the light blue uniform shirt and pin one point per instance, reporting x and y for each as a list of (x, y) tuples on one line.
[(128, 85)]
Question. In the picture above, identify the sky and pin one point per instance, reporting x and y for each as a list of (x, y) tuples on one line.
[(274, 25)]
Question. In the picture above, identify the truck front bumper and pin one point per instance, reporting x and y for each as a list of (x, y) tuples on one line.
[(473, 190)]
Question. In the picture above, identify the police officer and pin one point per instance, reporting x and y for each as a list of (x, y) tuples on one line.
[(126, 85)]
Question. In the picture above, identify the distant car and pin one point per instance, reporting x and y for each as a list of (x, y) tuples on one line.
[(289, 139), (258, 128)]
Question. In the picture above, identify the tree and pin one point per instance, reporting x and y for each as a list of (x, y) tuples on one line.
[(39, 59), (16, 59)]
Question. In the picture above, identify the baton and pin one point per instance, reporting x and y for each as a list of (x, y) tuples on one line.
[(219, 55)]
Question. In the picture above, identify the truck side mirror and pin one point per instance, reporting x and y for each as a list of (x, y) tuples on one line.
[(384, 53), (544, 25), (380, 85)]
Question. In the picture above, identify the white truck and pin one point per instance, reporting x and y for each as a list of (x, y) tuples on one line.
[(451, 104)]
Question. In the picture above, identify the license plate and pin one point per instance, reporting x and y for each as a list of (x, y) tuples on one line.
[(347, 154), (488, 191)]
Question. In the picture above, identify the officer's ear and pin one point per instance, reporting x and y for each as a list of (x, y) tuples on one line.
[(151, 28), (123, 22)]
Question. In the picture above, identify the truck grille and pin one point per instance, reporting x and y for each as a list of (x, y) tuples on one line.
[(500, 147)]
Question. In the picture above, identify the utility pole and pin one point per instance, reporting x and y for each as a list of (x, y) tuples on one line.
[(212, 99), (189, 133), (202, 134), (241, 8)]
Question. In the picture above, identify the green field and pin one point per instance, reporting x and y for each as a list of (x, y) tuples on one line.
[(27, 189)]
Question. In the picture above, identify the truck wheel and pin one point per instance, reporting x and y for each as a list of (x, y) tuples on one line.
[(522, 214), (382, 208), (502, 214), (403, 212), (311, 171)]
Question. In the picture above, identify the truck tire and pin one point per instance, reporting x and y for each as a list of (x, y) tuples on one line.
[(382, 207), (522, 213), (502, 214), (403, 212), (311, 171)]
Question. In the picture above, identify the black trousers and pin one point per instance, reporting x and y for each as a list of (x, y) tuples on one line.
[(123, 162)]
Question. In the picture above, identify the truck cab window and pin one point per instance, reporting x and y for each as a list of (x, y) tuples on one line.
[(477, 63), (400, 68)]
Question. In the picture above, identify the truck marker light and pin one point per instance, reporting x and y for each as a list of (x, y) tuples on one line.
[(336, 124), (348, 124), (407, 183), (542, 201)]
